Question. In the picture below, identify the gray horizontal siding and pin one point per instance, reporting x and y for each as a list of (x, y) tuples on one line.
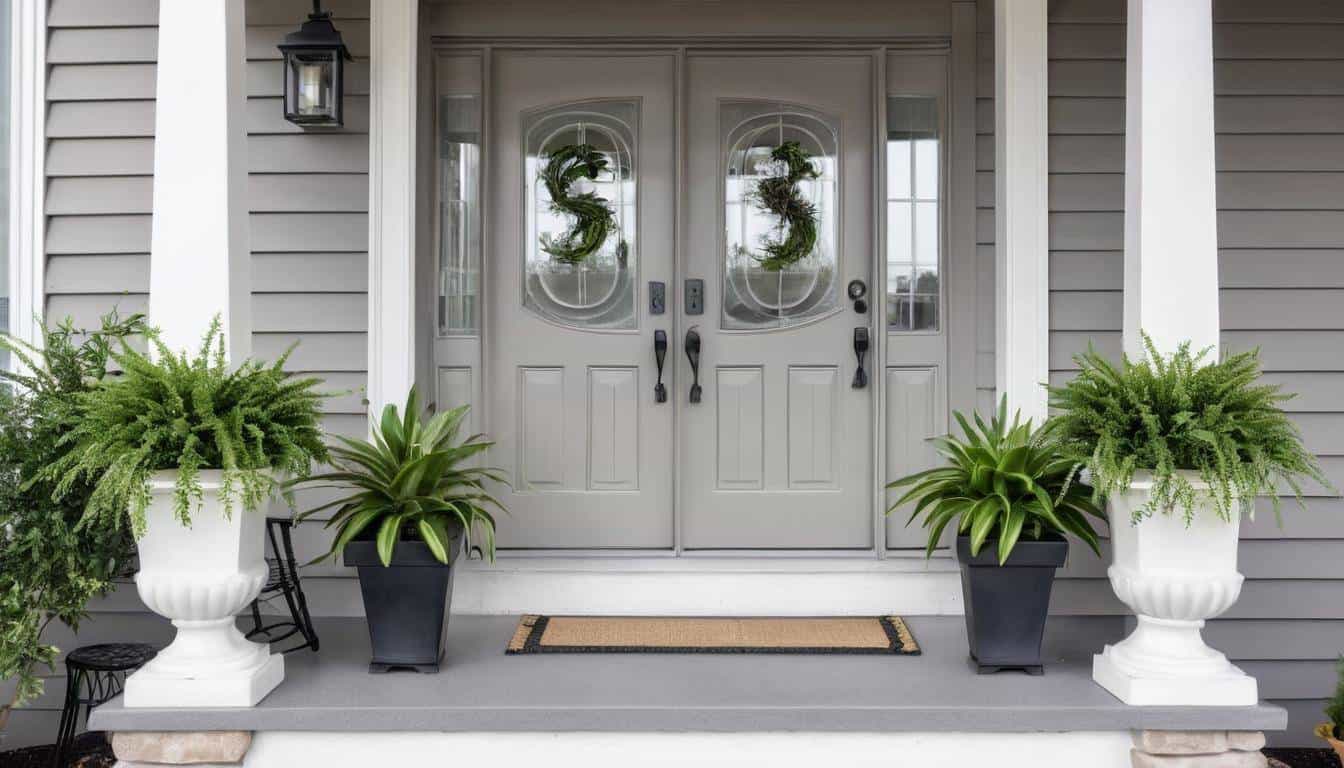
[(308, 198), (1279, 115)]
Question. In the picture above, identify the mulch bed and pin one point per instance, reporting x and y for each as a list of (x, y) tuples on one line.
[(1305, 758), (90, 750)]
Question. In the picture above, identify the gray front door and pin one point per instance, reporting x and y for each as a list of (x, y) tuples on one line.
[(778, 452)]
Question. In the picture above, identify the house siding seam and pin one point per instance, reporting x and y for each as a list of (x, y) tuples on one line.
[(1279, 102)]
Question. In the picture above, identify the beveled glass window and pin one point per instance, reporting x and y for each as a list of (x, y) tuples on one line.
[(914, 229), (597, 292), (460, 215), (755, 296)]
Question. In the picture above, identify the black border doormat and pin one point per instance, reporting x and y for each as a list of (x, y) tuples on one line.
[(666, 634)]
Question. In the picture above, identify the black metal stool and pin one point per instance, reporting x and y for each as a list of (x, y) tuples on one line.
[(94, 674), (283, 579)]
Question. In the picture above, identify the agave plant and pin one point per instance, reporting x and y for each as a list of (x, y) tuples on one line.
[(1003, 480), (410, 478)]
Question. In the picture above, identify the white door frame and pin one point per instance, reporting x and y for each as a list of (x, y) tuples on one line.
[(644, 582)]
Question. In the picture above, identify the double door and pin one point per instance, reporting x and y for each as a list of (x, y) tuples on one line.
[(674, 244)]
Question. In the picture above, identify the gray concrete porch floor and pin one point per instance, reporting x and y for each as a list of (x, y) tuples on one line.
[(482, 689)]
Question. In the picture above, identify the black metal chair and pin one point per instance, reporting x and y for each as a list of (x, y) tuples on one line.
[(94, 674), (283, 580)]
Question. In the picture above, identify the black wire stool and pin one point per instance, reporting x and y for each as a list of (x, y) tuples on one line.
[(283, 579), (94, 674)]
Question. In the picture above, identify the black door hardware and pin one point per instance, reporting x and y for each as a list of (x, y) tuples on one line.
[(860, 350), (693, 296), (657, 297), (660, 354), (693, 354), (857, 290)]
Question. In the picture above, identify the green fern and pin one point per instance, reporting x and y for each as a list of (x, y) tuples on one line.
[(188, 413), (1168, 414)]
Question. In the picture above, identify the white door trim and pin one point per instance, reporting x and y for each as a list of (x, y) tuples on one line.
[(1022, 206), (27, 167), (393, 94)]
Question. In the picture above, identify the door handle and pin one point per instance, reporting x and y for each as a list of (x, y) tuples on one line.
[(860, 351), (660, 354), (693, 354)]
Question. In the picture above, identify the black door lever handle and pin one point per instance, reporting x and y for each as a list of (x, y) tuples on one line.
[(860, 351), (693, 354), (660, 354)]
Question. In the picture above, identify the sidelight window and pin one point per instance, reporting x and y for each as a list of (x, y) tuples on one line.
[(913, 199)]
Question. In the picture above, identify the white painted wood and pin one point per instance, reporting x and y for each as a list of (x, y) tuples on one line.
[(912, 418), (393, 44), (1171, 227), (27, 173), (200, 260), (1022, 261), (277, 749)]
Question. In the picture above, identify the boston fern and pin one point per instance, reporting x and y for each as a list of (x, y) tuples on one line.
[(411, 478), (1002, 481), (1169, 414), (189, 413)]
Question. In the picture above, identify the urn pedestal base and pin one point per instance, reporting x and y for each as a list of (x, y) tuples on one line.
[(240, 688)]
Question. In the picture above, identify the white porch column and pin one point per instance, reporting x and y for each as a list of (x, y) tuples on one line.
[(392, 125), (1022, 234), (1171, 226), (200, 259)]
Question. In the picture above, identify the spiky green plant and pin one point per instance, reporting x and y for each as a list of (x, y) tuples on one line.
[(1167, 414), (51, 565), (411, 478), (1002, 481), (1334, 709), (187, 413)]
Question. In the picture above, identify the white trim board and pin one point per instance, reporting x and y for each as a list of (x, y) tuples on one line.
[(707, 750), (27, 167)]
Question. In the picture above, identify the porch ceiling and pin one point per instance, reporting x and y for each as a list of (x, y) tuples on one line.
[(481, 689)]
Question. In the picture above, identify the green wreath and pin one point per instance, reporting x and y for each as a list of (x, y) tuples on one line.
[(594, 218), (779, 195)]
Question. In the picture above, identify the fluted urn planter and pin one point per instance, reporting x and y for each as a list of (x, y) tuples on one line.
[(1174, 577), (200, 577)]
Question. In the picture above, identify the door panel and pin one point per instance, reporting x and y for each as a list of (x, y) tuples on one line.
[(569, 347), (779, 453)]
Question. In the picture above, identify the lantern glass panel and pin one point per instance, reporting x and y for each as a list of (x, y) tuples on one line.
[(312, 81)]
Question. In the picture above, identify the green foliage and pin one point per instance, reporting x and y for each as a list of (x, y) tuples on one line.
[(411, 478), (1002, 481), (188, 413), (51, 566), (1334, 709), (779, 195), (1168, 414), (593, 217)]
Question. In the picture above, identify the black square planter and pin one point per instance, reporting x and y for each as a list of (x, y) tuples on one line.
[(1007, 605), (406, 603)]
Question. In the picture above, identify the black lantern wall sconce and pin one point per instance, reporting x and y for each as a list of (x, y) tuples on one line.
[(315, 59)]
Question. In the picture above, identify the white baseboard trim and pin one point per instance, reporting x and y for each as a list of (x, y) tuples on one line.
[(279, 749)]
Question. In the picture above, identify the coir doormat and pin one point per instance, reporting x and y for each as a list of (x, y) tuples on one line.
[(615, 634)]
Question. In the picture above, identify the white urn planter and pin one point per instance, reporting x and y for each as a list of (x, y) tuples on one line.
[(201, 577), (1174, 577)]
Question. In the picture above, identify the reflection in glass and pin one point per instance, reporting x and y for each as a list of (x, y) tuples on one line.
[(459, 200), (756, 298), (598, 292), (914, 240)]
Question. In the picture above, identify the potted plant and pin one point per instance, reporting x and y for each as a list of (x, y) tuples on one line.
[(51, 565), (190, 449), (1180, 448), (1333, 730), (1013, 496), (412, 499)]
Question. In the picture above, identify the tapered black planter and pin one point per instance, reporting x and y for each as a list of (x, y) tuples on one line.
[(406, 603), (1006, 605)]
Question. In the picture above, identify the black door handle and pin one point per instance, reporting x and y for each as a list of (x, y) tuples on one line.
[(693, 354), (860, 350), (660, 354)]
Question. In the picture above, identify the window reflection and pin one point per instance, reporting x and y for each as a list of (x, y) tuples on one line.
[(459, 196), (914, 232)]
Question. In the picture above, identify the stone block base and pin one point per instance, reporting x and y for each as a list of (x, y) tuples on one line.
[(1198, 749), (180, 748)]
